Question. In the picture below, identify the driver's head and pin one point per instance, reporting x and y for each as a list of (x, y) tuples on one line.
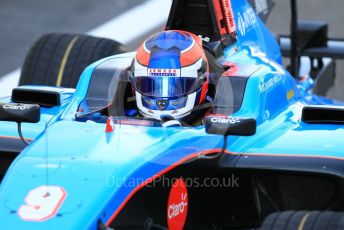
[(170, 74)]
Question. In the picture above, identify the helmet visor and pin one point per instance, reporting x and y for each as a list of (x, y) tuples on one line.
[(163, 87)]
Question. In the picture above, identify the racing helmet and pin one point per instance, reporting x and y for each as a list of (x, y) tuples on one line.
[(170, 75)]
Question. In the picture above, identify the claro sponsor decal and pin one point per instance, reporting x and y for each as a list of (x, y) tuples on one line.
[(16, 107), (230, 120), (177, 206)]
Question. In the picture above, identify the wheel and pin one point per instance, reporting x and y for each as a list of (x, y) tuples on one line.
[(59, 59), (302, 220)]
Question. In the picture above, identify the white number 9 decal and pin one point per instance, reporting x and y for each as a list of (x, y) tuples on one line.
[(42, 203)]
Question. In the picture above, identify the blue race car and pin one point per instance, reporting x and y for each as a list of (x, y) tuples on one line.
[(201, 128)]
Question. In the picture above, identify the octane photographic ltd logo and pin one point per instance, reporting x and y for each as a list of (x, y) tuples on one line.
[(231, 181)]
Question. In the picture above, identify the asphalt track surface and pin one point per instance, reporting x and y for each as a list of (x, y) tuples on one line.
[(23, 21)]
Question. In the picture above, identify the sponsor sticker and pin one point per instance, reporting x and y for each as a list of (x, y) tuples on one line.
[(230, 120), (163, 72), (290, 94), (246, 21), (17, 106), (177, 207), (265, 86)]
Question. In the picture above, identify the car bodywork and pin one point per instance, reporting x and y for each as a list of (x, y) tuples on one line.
[(96, 178)]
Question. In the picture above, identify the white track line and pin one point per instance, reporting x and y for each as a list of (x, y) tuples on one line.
[(125, 28)]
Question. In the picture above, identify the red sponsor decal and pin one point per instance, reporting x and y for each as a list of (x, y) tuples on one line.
[(177, 207), (110, 126)]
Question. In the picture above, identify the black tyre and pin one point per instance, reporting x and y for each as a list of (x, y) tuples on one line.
[(59, 59), (302, 220)]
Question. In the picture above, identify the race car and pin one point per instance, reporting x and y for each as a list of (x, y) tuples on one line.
[(77, 154)]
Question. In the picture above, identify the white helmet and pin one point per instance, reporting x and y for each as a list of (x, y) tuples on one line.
[(170, 75)]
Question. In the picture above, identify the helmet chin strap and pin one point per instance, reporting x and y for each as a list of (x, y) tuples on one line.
[(166, 117), (169, 121)]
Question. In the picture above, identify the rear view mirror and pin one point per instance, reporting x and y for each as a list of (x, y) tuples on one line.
[(20, 113), (224, 125)]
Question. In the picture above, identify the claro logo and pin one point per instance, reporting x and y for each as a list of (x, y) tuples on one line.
[(16, 107), (175, 210), (177, 206), (230, 120)]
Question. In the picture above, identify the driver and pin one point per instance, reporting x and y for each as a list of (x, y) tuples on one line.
[(170, 75)]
